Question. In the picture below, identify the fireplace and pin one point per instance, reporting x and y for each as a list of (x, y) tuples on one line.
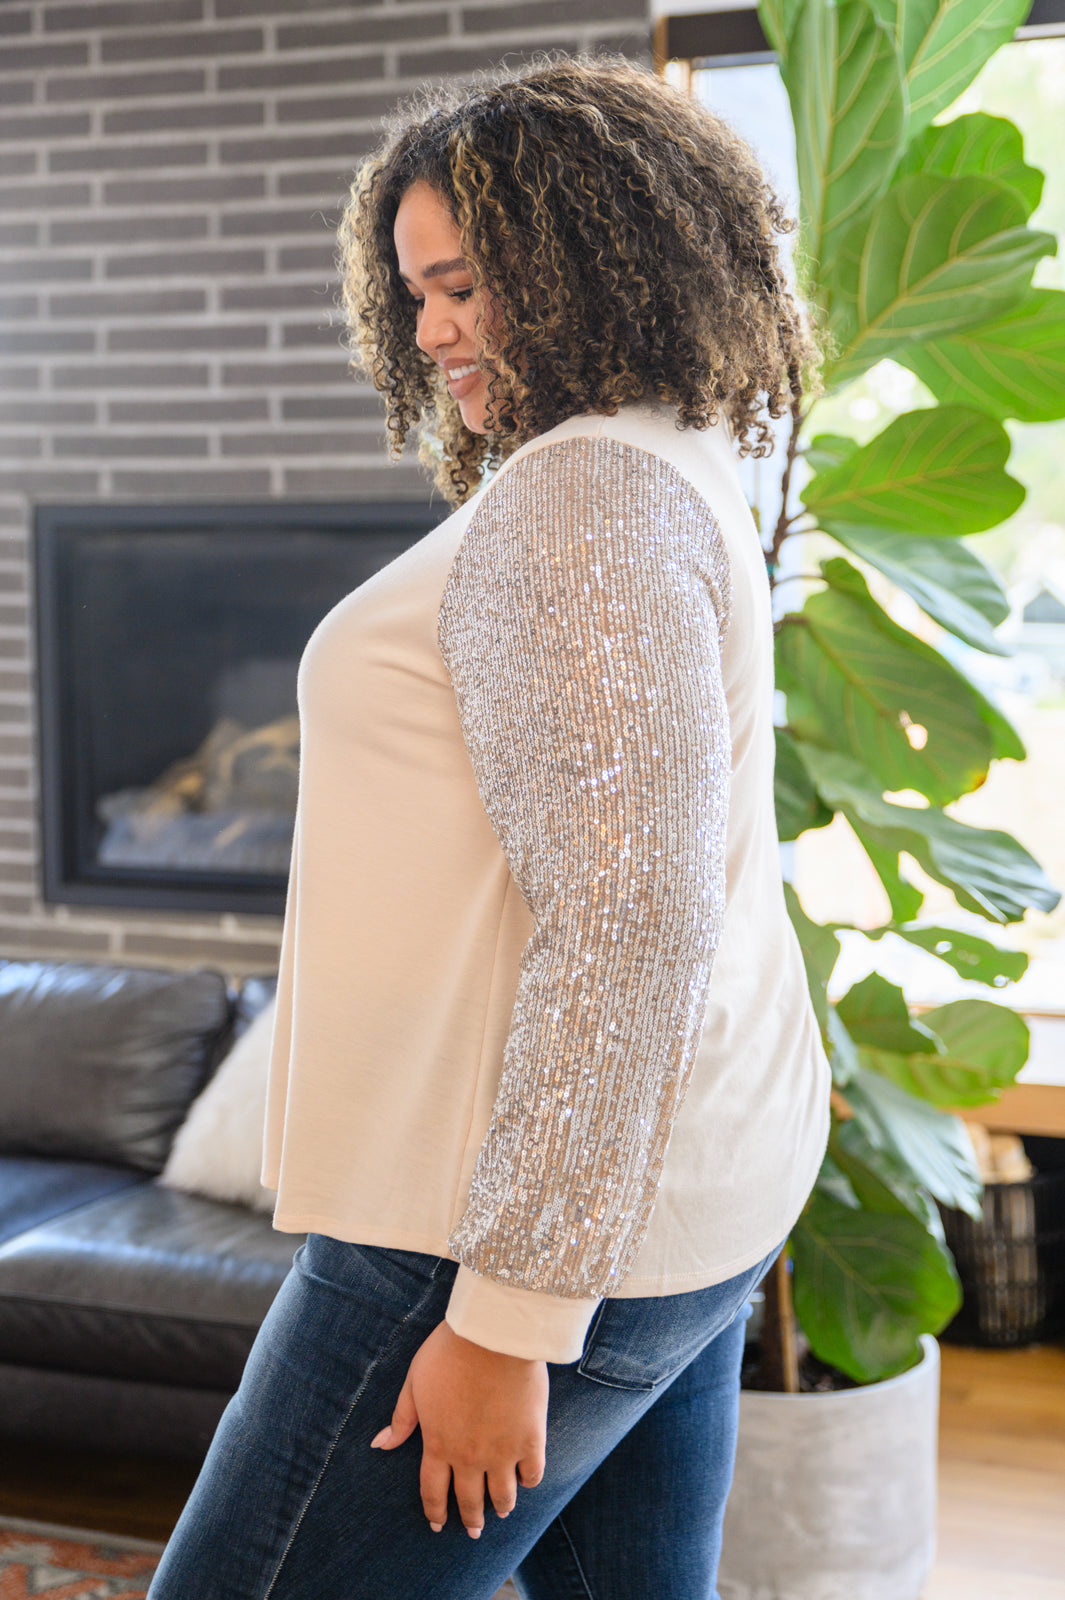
[(168, 640)]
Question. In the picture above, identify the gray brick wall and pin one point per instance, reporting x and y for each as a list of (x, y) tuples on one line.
[(170, 177)]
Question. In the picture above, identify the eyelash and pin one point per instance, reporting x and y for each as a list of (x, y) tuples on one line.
[(452, 294)]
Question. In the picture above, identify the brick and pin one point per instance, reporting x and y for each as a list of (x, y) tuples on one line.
[(179, 263), (162, 119), (195, 948), (446, 60), (16, 905), (17, 810), (164, 46), (70, 412), (52, 939), (17, 163), (112, 157), (126, 303), (268, 297), (635, 44), (13, 580), (165, 191), (356, 483), (224, 9), (348, 107), (383, 28), (197, 483), (42, 269), (15, 746), (250, 409), (107, 446), (13, 714), (309, 258), (14, 649), (29, 56), (13, 21), (211, 336), (549, 14), (287, 147), (14, 548), (316, 443), (43, 480), (295, 73), (331, 408), (45, 341), (19, 447), (312, 335), (13, 616), (19, 235), (19, 378), (239, 375), (148, 375), (130, 229), (31, 196), (16, 91), (255, 224), (99, 86), (14, 777), (45, 126), (119, 14), (335, 184)]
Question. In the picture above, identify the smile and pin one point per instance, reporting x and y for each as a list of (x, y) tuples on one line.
[(454, 373)]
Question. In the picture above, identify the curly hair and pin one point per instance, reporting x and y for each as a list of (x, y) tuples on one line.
[(626, 237)]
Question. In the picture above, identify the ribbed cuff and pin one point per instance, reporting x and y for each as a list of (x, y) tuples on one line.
[(518, 1322)]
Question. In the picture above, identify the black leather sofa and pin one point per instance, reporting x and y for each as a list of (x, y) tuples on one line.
[(126, 1309)]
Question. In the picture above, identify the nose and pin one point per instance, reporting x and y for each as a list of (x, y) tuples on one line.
[(436, 327)]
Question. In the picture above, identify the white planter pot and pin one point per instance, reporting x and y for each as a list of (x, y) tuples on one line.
[(834, 1495)]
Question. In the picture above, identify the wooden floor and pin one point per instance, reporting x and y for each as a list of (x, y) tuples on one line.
[(1002, 1480)]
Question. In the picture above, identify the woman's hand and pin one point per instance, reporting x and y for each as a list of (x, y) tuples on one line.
[(482, 1415)]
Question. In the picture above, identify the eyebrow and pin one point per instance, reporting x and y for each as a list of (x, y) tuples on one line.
[(438, 268)]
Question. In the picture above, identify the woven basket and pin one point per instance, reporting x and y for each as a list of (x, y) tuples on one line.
[(1011, 1263)]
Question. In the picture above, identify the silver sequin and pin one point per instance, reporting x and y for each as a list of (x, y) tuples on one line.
[(581, 625)]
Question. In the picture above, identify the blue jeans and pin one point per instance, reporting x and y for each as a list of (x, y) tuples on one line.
[(292, 1504)]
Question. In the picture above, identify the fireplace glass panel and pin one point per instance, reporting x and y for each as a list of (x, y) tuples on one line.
[(169, 640)]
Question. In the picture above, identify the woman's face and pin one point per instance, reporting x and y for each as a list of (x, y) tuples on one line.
[(431, 265)]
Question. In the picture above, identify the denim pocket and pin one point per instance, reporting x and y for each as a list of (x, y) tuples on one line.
[(638, 1344)]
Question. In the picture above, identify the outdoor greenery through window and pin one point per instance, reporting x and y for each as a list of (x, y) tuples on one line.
[(1024, 82)]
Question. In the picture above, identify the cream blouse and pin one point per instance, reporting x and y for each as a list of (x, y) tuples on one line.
[(540, 1007)]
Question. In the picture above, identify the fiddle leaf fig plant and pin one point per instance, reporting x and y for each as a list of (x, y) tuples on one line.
[(914, 245)]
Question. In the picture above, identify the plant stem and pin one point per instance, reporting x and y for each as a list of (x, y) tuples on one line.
[(780, 1351), (780, 532)]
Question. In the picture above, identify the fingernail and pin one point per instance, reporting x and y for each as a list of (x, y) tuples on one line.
[(503, 1513), (382, 1438), (437, 1527), (474, 1533)]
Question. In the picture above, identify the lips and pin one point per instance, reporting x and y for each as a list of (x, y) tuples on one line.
[(462, 378)]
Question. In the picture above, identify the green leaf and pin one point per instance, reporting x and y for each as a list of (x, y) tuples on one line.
[(934, 256), (944, 44), (867, 1285), (935, 471), (969, 956), (829, 450), (778, 19), (904, 898), (878, 1180), (798, 804), (820, 951), (1013, 366), (987, 871), (985, 1047), (949, 582), (875, 1013), (843, 75), (976, 144), (931, 1145), (857, 682)]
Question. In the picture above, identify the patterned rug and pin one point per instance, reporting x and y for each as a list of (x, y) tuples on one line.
[(37, 1559)]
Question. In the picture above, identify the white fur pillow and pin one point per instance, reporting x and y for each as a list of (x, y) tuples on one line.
[(218, 1150)]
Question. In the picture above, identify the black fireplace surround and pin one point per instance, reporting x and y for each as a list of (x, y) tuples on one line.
[(168, 639)]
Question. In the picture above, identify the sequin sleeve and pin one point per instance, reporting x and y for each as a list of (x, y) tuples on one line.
[(581, 626)]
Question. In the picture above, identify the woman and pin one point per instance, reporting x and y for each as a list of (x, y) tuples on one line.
[(546, 1091)]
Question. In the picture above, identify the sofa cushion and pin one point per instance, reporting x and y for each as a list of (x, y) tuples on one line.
[(32, 1189), (151, 1284), (101, 1063)]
